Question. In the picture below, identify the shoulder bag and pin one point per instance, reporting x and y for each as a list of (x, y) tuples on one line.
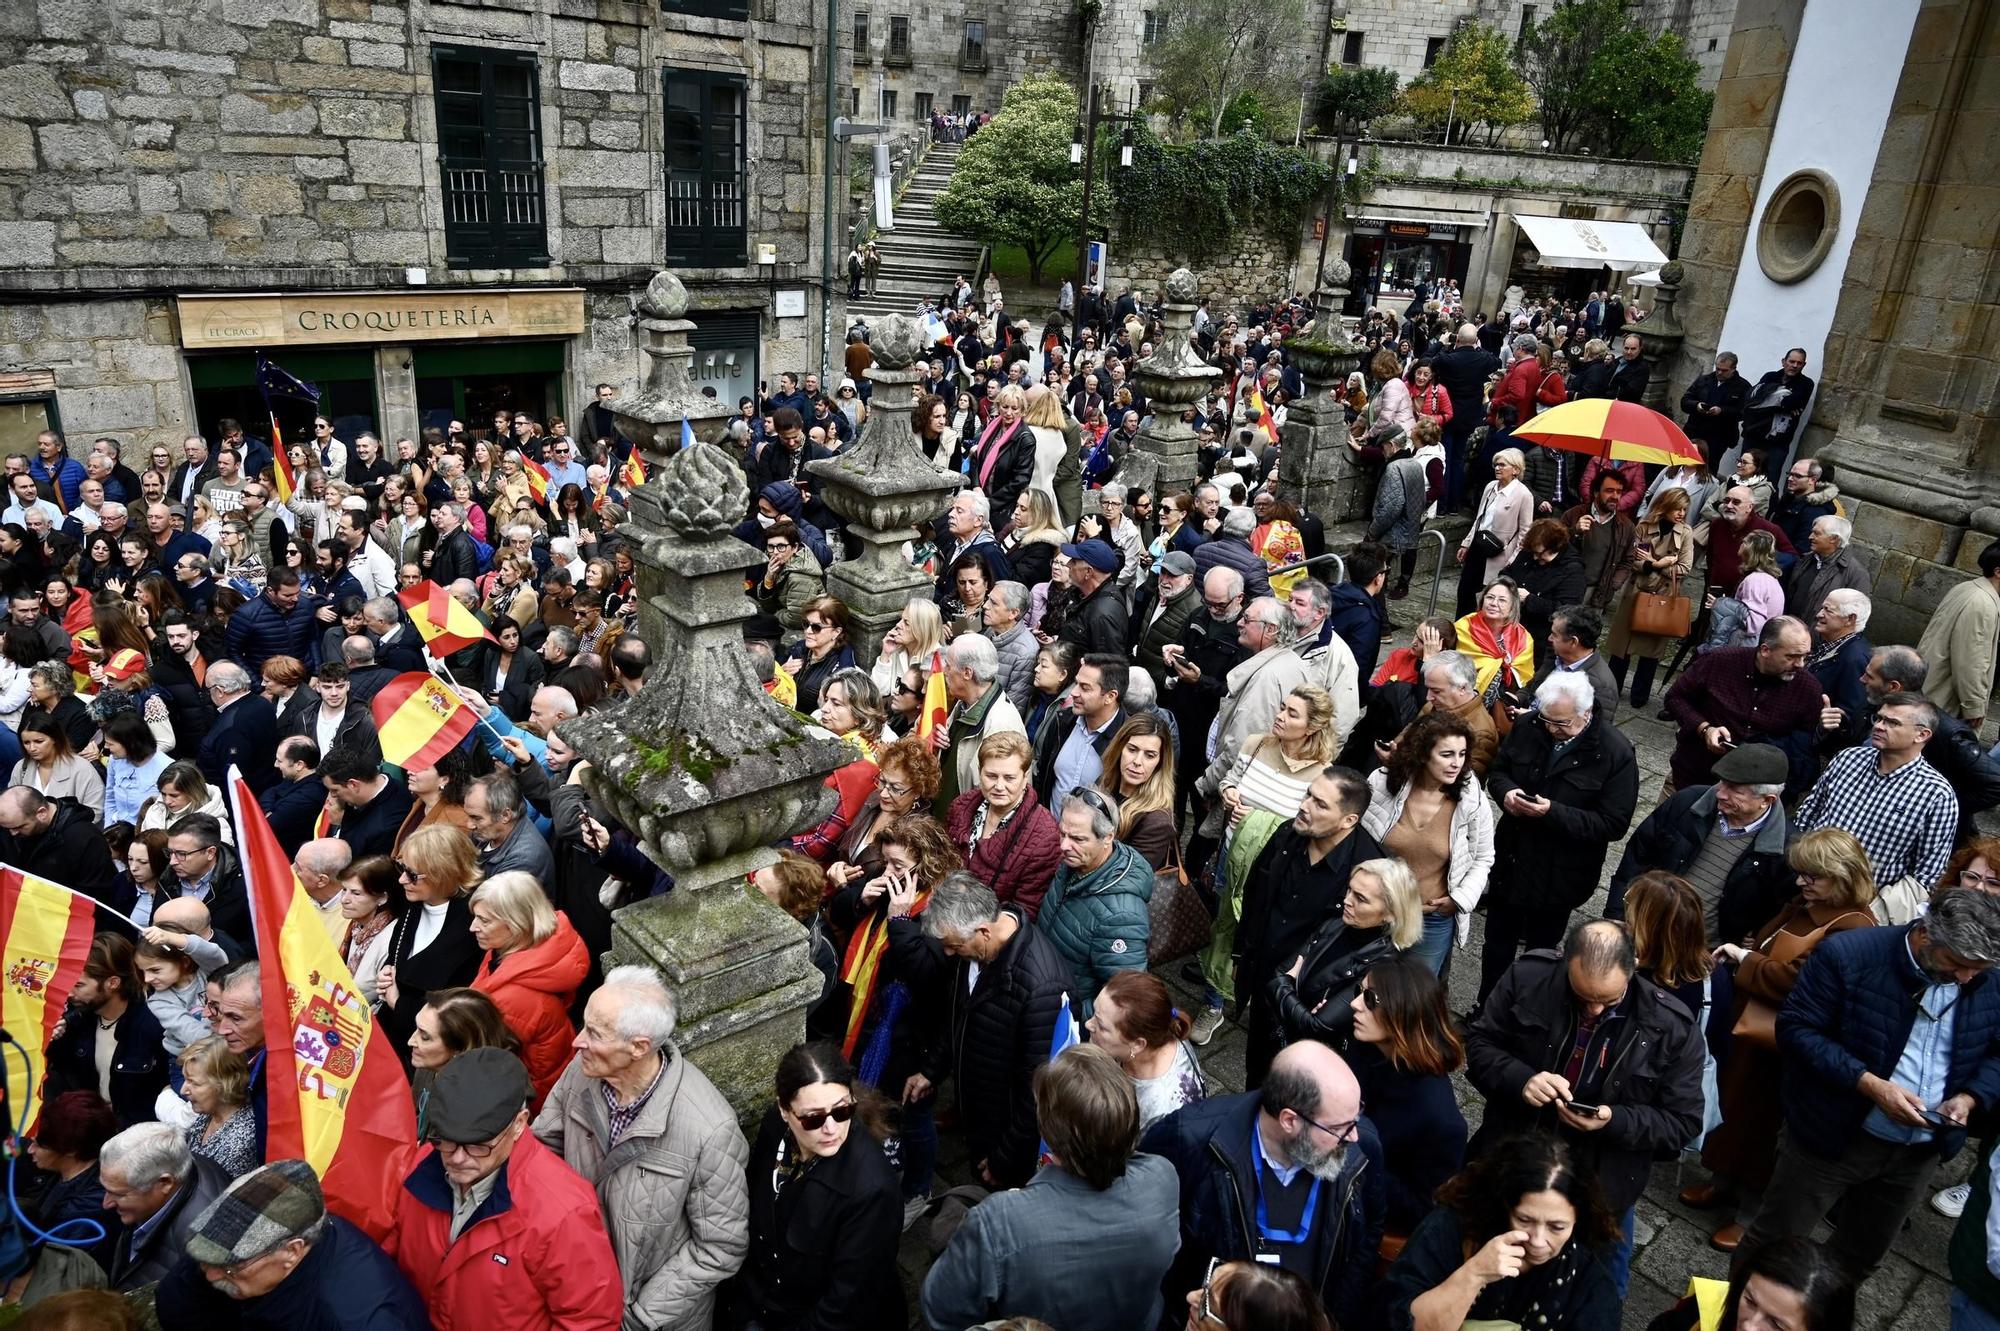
[(1486, 543), (1665, 615), (1179, 923), (1758, 1021)]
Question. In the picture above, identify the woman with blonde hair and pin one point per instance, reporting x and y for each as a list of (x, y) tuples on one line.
[(216, 1084), (431, 944), (1761, 588), (1033, 538), (1001, 463), (1662, 556), (1275, 769), (1045, 421), (1836, 894), (917, 634), (1492, 637), (534, 962), (1380, 917), (1506, 510)]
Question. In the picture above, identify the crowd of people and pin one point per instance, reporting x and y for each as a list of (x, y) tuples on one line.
[(1171, 752)]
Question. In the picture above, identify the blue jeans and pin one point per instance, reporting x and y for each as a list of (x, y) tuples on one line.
[(1434, 948), (1618, 1257), (1967, 1314)]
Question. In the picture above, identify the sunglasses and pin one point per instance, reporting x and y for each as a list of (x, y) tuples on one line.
[(1371, 1000), (814, 1119), (405, 871)]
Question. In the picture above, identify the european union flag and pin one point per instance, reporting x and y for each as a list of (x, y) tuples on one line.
[(275, 382)]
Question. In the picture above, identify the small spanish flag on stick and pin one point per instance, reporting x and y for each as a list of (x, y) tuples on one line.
[(420, 720), (937, 703), (48, 932), (633, 474), (443, 622), (538, 481)]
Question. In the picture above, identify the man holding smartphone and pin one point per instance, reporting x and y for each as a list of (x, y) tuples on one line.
[(1579, 1043)]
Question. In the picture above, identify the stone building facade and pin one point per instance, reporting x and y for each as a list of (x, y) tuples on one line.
[(434, 209)]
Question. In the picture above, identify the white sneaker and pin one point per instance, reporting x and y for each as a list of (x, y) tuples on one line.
[(913, 1209), (1206, 1023), (1951, 1202)]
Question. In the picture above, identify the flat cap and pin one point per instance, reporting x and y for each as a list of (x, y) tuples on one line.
[(476, 1096), (1753, 765), (261, 1210)]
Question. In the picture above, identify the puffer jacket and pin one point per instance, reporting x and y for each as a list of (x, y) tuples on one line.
[(533, 988), (671, 1191), (1017, 648), (1651, 1076), (259, 631), (533, 1257), (1401, 501), (1472, 820), (1019, 859), (1155, 633), (1232, 552), (996, 1033), (1851, 1012), (1592, 790), (1098, 920)]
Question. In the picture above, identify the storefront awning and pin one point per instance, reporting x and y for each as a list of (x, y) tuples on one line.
[(1419, 216), (1569, 242)]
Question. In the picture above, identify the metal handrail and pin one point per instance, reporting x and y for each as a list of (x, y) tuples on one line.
[(1339, 566), (1437, 574)]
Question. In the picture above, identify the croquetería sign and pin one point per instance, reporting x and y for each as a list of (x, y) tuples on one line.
[(213, 322)]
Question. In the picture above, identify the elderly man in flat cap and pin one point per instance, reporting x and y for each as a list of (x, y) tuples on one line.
[(266, 1254), (491, 1226)]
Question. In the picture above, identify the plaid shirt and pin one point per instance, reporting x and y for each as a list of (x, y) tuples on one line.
[(1905, 820), (622, 1116)]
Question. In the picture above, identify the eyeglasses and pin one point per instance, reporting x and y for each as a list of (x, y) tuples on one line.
[(1092, 797), (811, 625), (1340, 1132), (893, 789), (904, 690), (405, 871), (477, 1150), (1973, 878), (814, 1119), (1371, 999), (1208, 1313), (1568, 727)]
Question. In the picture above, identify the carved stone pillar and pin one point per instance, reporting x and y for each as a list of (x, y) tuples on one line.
[(1174, 378), (651, 418), (882, 487), (1660, 338), (1314, 462)]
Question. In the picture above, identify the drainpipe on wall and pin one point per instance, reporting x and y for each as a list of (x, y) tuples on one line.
[(832, 45)]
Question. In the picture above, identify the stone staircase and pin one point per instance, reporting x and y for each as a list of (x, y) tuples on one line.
[(919, 258)]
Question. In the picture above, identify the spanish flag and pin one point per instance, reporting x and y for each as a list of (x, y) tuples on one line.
[(538, 481), (48, 932), (419, 719), (937, 703), (633, 475), (443, 622), (338, 1097), (283, 484), (1260, 411)]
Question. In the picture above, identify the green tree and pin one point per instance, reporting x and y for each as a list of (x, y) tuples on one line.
[(1014, 184), (1211, 51), (1351, 96), (1558, 57), (1650, 99), (1474, 82), (1607, 84)]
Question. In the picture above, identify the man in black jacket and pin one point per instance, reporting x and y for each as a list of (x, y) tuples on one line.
[(1463, 371), (293, 802), (60, 840), (1714, 406), (453, 557), (1298, 883), (1580, 1044), (200, 866), (245, 733), (1568, 782), (155, 1184), (1098, 624), (1775, 410), (109, 996), (180, 668), (1000, 1028), (1728, 840), (1631, 375), (373, 807), (1291, 1175)]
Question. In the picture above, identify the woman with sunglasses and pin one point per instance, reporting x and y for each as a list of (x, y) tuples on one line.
[(1403, 1053), (824, 649), (431, 946), (1514, 1238), (825, 1207), (1251, 1296), (1379, 918), (371, 900)]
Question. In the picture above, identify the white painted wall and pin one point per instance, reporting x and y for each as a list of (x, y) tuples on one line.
[(1835, 110)]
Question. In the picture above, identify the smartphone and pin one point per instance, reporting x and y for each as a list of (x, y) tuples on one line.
[(1937, 1120), (1580, 1109)]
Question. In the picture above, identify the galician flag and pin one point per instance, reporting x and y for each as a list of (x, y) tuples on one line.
[(338, 1097), (48, 929)]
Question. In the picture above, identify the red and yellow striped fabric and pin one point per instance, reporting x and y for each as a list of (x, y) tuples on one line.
[(283, 483), (937, 703), (633, 475), (419, 719), (443, 622), (1605, 428), (45, 931), (538, 481), (338, 1097)]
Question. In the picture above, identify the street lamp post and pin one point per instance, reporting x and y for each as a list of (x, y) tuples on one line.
[(1083, 150)]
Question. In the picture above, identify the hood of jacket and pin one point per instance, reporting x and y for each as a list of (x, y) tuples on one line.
[(1126, 870), (554, 966), (783, 496)]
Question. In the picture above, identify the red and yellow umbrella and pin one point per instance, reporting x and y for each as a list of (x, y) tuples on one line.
[(1605, 428)]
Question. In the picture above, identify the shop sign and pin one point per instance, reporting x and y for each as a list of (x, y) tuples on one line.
[(307, 319), (1409, 230)]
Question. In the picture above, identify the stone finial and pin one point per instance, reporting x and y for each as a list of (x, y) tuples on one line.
[(1181, 288), (665, 297), (897, 341), (702, 493), (1672, 273), (1338, 272)]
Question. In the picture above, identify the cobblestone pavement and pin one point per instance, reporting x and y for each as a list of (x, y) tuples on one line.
[(1909, 1293)]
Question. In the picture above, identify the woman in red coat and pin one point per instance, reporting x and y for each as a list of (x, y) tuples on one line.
[(1008, 839), (533, 964)]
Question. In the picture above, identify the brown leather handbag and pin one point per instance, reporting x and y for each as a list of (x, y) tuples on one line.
[(1178, 921), (1663, 616)]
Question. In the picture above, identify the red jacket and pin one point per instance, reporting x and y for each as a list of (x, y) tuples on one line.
[(1020, 860), (533, 988), (1517, 389), (534, 1257)]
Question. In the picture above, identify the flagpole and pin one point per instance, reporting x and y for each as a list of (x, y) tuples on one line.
[(73, 892), (441, 671)]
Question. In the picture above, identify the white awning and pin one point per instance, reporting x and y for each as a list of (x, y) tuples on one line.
[(1649, 278), (1569, 242)]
